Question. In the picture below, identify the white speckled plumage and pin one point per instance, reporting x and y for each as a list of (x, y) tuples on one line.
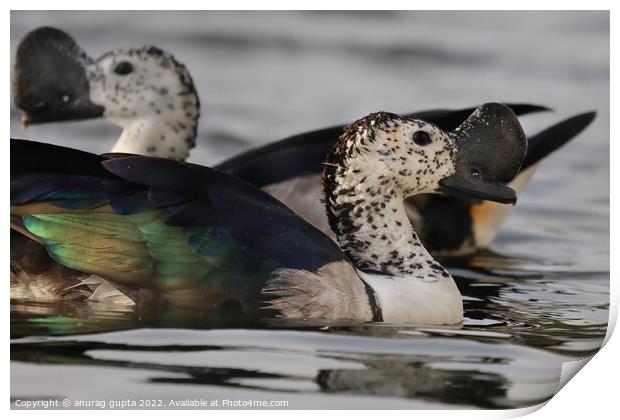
[(156, 103), (371, 182)]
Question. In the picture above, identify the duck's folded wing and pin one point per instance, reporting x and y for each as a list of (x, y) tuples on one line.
[(305, 153), (148, 221)]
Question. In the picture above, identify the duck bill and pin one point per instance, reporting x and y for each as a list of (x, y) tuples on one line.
[(50, 79), (490, 148), (492, 191), (79, 109)]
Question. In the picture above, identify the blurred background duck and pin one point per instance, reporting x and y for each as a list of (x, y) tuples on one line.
[(152, 97), (188, 234), (146, 91)]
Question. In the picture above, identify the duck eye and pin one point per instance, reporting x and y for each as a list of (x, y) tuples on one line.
[(123, 68), (421, 138), (475, 172)]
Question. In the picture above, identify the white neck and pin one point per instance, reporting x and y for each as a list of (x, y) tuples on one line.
[(372, 227), (158, 137), (422, 301)]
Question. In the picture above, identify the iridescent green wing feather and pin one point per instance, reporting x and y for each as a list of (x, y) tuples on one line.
[(157, 223)]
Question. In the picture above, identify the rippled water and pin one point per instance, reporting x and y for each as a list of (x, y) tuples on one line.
[(538, 298)]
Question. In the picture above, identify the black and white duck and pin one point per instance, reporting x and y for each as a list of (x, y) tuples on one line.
[(189, 234)]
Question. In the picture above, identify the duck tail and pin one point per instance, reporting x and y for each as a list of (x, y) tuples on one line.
[(554, 137)]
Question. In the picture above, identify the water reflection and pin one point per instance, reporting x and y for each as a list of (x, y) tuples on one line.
[(519, 328), (379, 376)]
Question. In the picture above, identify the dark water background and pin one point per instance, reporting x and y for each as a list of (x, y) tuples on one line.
[(538, 298)]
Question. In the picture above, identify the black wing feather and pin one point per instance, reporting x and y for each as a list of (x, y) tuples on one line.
[(255, 219)]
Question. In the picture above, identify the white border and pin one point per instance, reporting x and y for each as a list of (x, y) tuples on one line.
[(592, 394)]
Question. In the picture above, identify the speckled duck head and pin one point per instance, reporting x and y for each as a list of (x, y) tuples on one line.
[(384, 158), (145, 90)]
